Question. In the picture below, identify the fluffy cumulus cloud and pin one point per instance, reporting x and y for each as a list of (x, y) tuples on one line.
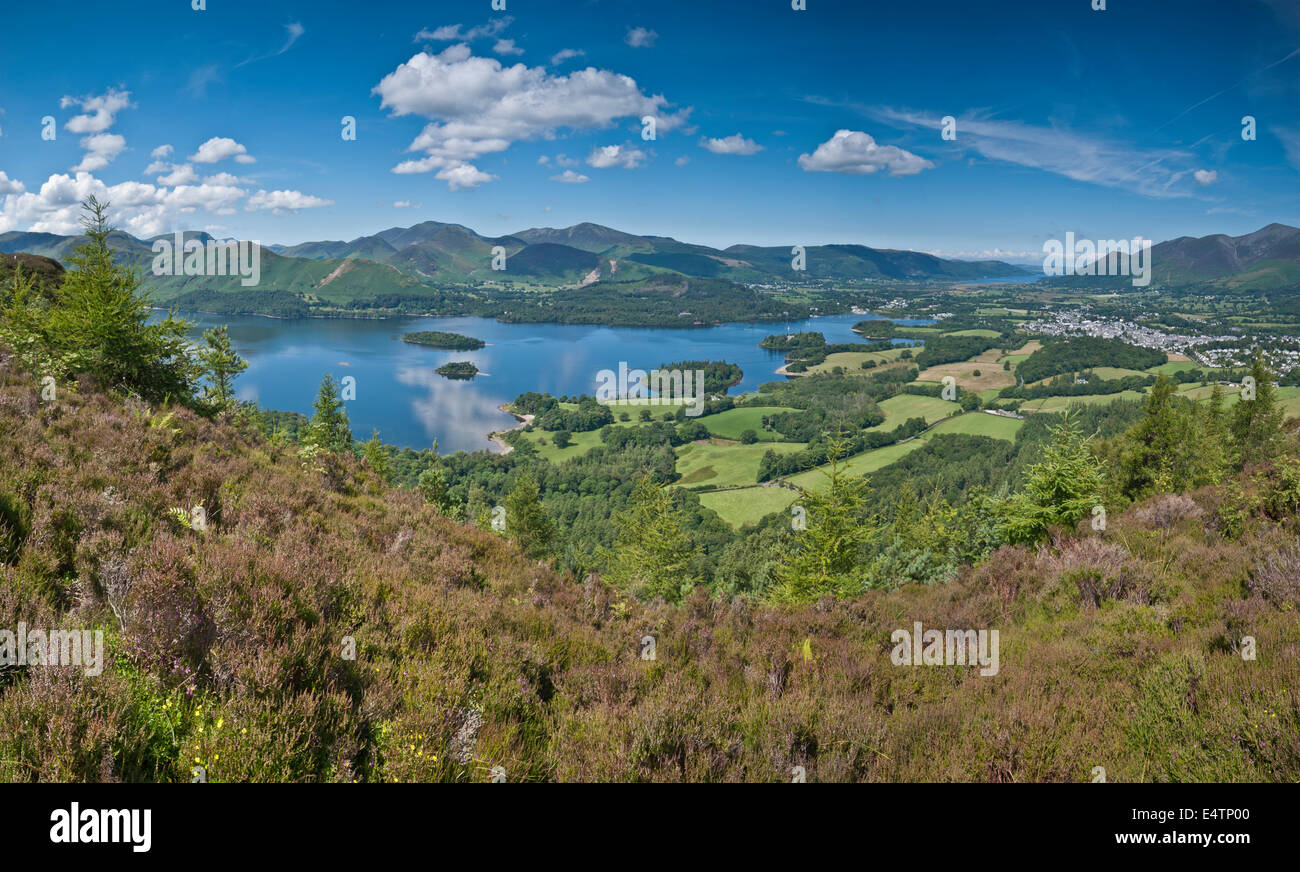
[(1206, 177), (100, 151), (477, 106), (281, 202), (179, 174), (639, 37), (626, 157), (569, 177), (98, 112), (10, 186), (734, 144), (138, 208), (856, 153), (507, 47), (220, 148)]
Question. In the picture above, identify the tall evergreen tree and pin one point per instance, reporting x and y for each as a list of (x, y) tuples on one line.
[(99, 325), (1257, 420), (526, 519)]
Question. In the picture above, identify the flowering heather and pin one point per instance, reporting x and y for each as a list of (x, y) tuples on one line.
[(226, 640)]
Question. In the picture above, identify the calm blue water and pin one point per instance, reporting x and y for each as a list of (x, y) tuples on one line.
[(399, 394)]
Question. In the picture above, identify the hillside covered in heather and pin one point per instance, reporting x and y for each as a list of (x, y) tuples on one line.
[(1119, 649)]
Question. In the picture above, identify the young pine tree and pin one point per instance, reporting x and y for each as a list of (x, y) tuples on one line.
[(828, 551), (526, 519), (377, 458), (220, 364), (1257, 419), (329, 429), (99, 324), (1061, 490), (653, 555)]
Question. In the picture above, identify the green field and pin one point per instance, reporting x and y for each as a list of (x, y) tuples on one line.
[(852, 360), (977, 331), (1172, 367), (733, 422), (710, 465), (1060, 404), (1110, 373), (899, 408), (581, 444), (859, 464), (748, 505), (981, 424)]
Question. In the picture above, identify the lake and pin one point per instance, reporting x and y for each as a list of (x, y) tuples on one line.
[(399, 394)]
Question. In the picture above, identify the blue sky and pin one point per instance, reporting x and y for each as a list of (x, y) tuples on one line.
[(773, 126)]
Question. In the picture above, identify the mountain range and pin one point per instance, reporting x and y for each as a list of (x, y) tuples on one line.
[(434, 254)]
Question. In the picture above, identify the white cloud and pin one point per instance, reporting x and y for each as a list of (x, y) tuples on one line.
[(281, 202), (1206, 177), (734, 144), (453, 33), (406, 204), (1058, 150), (10, 186), (604, 157), (544, 160), (139, 208), (161, 152), (565, 161), (507, 47), (100, 111), (565, 54), (218, 148), (682, 161), (100, 151), (856, 153), (571, 178), (477, 106), (181, 174), (225, 179), (639, 37), (293, 30)]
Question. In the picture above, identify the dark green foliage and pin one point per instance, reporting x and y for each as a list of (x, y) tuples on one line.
[(439, 339)]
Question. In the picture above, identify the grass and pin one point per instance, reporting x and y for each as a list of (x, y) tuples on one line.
[(975, 331), (715, 464), (1058, 404), (544, 442), (858, 464), (852, 360), (733, 422), (981, 424), (900, 408), (748, 505)]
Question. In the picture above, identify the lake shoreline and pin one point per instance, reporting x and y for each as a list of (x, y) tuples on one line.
[(495, 437)]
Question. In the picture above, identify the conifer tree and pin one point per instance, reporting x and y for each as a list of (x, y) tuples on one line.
[(526, 519), (1061, 490), (653, 555), (1257, 418), (827, 552), (220, 364), (99, 325), (329, 429)]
